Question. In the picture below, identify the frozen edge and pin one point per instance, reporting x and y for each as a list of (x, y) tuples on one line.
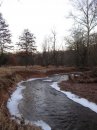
[(84, 102), (13, 102), (48, 80), (43, 125)]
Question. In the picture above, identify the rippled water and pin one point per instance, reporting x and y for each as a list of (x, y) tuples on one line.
[(41, 102)]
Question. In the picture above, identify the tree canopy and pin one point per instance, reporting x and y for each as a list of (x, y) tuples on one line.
[(27, 41)]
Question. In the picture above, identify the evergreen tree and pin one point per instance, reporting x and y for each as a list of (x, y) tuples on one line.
[(27, 44), (5, 36)]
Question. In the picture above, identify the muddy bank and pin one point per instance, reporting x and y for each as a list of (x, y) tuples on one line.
[(43, 100), (8, 85), (83, 84), (84, 90)]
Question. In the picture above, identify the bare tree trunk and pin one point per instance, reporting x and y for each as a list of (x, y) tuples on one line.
[(88, 44)]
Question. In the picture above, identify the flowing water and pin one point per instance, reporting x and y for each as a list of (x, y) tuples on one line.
[(42, 102)]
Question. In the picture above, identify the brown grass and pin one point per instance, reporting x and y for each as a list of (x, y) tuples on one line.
[(6, 89), (8, 124), (9, 76), (84, 90)]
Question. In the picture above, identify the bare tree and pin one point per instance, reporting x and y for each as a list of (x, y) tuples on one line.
[(86, 15), (76, 43), (53, 37), (47, 50), (46, 44)]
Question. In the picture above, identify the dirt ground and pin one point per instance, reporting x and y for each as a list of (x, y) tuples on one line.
[(84, 90)]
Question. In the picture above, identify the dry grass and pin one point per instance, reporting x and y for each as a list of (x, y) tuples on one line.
[(84, 90), (9, 76), (11, 69), (9, 124)]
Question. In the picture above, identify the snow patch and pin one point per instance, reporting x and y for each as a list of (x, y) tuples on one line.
[(13, 102), (43, 125), (32, 79), (55, 86), (47, 80), (84, 102)]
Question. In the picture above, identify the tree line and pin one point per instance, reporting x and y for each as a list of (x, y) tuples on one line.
[(81, 48)]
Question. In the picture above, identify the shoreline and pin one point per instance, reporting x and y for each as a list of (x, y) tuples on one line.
[(83, 90), (82, 93), (5, 95), (6, 92), (12, 106), (76, 98), (8, 84)]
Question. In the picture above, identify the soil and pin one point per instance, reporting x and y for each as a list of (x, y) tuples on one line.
[(84, 90)]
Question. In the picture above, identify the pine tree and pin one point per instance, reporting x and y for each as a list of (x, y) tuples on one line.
[(27, 44), (5, 36)]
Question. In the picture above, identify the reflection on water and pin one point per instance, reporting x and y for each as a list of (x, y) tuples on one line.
[(41, 102)]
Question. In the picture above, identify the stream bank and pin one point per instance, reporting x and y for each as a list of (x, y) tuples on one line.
[(82, 84), (8, 85), (41, 103), (9, 77)]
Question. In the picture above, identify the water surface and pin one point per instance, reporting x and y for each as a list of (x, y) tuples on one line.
[(41, 102)]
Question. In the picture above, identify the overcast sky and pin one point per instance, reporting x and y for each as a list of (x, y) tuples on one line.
[(40, 16)]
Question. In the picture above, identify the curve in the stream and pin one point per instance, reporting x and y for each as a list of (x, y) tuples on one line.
[(48, 108)]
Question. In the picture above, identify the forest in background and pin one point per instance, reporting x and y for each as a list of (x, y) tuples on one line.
[(81, 45)]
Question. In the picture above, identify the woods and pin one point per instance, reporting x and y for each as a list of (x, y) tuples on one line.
[(81, 48)]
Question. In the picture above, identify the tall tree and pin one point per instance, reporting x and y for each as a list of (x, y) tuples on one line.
[(46, 49), (27, 43), (54, 46), (5, 36), (77, 43), (86, 15)]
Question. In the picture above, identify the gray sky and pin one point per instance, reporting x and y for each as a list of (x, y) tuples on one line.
[(40, 16)]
